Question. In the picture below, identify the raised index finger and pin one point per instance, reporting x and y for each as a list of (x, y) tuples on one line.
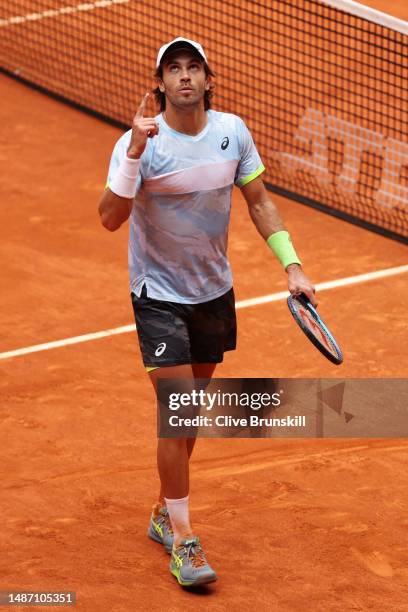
[(140, 110)]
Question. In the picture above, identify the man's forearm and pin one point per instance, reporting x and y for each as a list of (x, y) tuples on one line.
[(114, 210), (266, 218), (269, 224)]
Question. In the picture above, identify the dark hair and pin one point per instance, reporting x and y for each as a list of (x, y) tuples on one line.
[(161, 97)]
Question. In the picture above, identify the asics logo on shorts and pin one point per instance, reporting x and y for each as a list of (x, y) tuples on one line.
[(160, 349)]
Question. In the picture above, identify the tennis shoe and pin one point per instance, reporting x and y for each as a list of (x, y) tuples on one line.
[(189, 565), (160, 528)]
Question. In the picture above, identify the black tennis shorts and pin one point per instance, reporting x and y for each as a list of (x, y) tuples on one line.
[(174, 334)]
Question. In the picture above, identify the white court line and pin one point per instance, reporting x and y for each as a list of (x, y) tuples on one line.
[(341, 282), (65, 10), (273, 297)]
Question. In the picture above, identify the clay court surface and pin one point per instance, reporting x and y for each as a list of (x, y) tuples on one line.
[(288, 524)]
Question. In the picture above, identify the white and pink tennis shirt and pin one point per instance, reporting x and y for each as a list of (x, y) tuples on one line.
[(179, 221)]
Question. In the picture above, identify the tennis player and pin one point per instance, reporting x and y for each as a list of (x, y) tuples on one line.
[(173, 174)]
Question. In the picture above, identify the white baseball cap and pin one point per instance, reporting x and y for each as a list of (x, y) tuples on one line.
[(180, 43)]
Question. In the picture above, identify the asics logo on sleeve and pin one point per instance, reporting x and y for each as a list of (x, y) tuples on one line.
[(160, 349), (225, 143)]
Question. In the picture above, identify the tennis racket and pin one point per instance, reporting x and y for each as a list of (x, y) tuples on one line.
[(311, 324)]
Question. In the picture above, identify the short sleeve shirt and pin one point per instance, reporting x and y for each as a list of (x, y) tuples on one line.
[(180, 216)]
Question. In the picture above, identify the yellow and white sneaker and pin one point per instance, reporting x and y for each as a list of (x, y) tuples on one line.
[(189, 565), (160, 529)]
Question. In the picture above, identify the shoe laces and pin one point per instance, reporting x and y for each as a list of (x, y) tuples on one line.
[(164, 518), (194, 552)]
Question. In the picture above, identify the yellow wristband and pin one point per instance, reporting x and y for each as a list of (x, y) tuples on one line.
[(281, 244)]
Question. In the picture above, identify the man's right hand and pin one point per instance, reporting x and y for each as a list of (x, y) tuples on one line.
[(142, 129)]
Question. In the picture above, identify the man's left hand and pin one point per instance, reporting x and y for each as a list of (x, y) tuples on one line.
[(299, 283)]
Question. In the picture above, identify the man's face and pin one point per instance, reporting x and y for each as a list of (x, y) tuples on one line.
[(184, 80)]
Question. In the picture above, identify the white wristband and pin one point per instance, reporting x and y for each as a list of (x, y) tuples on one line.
[(124, 181)]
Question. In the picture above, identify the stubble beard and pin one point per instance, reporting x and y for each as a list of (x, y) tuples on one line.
[(188, 103)]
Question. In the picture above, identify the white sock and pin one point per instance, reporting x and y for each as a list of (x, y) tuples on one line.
[(179, 517)]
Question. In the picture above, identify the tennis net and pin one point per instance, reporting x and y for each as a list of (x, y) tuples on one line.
[(322, 84)]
